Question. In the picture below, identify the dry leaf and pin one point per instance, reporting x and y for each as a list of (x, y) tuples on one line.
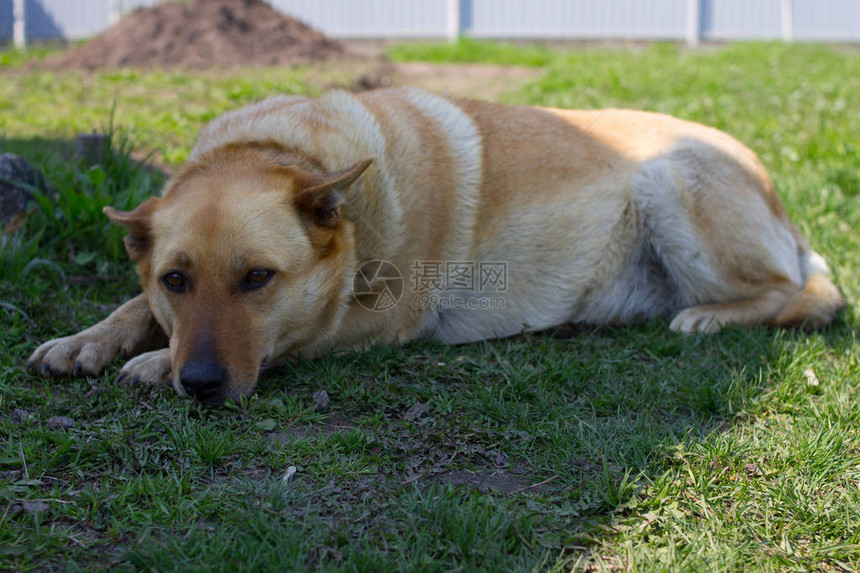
[(811, 378)]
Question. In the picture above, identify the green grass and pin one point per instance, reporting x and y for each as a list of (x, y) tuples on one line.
[(466, 50), (164, 109), (11, 57), (618, 449)]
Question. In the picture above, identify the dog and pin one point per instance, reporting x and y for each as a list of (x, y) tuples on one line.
[(286, 232)]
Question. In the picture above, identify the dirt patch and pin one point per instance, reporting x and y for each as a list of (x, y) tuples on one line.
[(203, 34), (336, 423), (466, 80), (480, 81), (499, 481)]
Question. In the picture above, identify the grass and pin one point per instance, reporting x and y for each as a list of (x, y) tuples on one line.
[(619, 449), (467, 50), (164, 109)]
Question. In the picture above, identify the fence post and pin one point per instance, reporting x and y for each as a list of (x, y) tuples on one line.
[(19, 24), (787, 21), (694, 22), (453, 20), (115, 12)]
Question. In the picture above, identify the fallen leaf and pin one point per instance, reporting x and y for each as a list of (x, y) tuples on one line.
[(811, 378)]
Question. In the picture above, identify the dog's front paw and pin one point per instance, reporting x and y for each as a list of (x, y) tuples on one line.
[(84, 354), (148, 368), (696, 319)]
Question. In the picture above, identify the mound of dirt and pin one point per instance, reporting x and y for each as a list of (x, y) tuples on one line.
[(203, 34)]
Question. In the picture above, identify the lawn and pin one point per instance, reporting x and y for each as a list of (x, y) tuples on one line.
[(611, 449)]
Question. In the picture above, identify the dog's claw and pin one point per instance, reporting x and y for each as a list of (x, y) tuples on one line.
[(150, 368), (127, 379)]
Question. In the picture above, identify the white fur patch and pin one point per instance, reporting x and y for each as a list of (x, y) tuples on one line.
[(464, 142), (811, 263), (254, 123), (667, 226)]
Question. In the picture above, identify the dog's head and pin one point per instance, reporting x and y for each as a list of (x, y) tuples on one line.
[(242, 260)]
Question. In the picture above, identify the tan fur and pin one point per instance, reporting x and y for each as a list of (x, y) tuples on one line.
[(600, 216)]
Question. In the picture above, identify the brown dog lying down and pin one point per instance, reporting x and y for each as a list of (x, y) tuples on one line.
[(294, 219)]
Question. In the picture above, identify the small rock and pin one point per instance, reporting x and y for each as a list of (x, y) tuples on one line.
[(415, 411), (321, 401), (753, 470), (372, 81), (33, 507), (61, 422), (21, 416)]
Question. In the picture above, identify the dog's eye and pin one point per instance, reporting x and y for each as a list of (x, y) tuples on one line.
[(256, 279), (174, 281)]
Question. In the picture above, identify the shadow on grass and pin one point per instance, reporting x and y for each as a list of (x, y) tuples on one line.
[(563, 436)]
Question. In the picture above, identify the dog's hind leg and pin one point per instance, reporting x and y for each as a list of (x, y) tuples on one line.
[(709, 318), (717, 230), (128, 331), (810, 307)]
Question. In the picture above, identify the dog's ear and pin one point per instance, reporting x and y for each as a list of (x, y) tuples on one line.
[(139, 225), (319, 196)]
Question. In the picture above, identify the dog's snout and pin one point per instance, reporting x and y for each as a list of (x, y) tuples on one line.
[(203, 380)]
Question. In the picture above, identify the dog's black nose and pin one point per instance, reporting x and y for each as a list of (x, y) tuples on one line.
[(203, 380)]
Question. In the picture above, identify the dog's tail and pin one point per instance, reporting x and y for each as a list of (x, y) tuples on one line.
[(815, 305)]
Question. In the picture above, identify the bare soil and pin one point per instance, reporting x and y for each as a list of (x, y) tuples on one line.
[(480, 81), (497, 481), (203, 34), (465, 80), (207, 34)]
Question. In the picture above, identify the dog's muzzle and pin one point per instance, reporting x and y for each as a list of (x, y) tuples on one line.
[(205, 381)]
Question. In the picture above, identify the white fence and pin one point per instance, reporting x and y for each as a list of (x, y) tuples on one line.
[(685, 20)]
